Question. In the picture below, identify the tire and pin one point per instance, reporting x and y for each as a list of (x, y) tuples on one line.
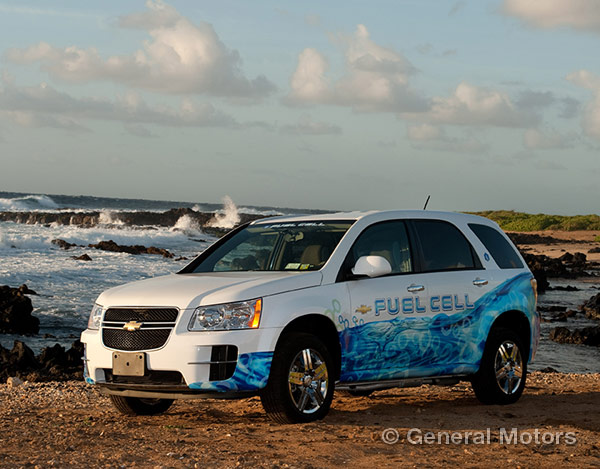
[(503, 369), (140, 406), (301, 383)]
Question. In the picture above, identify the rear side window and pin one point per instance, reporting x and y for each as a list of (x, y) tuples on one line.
[(500, 249), (444, 247)]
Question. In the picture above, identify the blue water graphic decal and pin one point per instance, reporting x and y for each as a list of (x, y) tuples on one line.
[(251, 373), (432, 346)]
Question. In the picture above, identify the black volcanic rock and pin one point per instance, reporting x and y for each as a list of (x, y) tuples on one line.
[(567, 266), (52, 364), (592, 307), (136, 249), (531, 238), (93, 218), (83, 257), (15, 311), (61, 243), (585, 336)]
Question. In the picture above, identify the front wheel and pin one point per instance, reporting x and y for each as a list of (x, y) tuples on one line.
[(140, 406), (503, 369), (301, 382)]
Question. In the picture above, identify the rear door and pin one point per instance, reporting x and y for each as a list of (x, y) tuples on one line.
[(456, 281)]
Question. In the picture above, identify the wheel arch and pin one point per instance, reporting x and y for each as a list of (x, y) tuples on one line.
[(323, 328), (517, 321)]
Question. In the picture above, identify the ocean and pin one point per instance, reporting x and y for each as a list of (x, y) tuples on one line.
[(67, 288)]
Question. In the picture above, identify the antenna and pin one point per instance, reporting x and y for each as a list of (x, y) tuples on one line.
[(426, 202)]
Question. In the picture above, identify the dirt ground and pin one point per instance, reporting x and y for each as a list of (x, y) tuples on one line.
[(71, 425), (572, 241)]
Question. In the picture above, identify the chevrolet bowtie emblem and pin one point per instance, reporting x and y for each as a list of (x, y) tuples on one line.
[(132, 326), (363, 309)]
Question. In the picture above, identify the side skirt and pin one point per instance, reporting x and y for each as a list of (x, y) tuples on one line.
[(401, 383)]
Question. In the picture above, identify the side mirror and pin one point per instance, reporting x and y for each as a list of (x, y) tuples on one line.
[(372, 266)]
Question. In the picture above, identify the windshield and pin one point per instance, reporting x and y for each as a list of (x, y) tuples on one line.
[(295, 246)]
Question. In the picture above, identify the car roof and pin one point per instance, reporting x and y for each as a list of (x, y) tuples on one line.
[(376, 214)]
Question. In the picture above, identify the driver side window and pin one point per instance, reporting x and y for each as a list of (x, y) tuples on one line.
[(388, 240)]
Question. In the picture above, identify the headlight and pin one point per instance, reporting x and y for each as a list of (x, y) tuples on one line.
[(242, 315), (95, 317)]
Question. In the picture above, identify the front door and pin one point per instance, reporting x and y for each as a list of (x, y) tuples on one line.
[(381, 332)]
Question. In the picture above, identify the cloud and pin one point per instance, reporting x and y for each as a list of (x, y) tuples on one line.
[(424, 132), (181, 57), (307, 126), (433, 137), (535, 99), (475, 106), (591, 113), (535, 139), (44, 105), (570, 108), (577, 14), (34, 120), (375, 78), (308, 81)]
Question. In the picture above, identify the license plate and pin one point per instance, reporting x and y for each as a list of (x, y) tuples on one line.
[(128, 364)]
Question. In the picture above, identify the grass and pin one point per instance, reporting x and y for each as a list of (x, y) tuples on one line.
[(519, 221)]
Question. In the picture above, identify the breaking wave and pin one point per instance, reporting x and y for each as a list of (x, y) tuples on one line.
[(28, 202), (228, 217)]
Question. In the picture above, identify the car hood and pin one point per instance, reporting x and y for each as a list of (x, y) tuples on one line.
[(192, 290)]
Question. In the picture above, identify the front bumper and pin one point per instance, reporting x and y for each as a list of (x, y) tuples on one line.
[(188, 353)]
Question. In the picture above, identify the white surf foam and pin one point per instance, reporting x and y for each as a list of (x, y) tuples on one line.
[(29, 202), (228, 217), (188, 226)]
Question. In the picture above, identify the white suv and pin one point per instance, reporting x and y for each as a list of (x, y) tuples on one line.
[(292, 307)]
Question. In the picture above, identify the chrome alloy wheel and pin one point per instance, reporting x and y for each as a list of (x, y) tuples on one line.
[(508, 367), (308, 381)]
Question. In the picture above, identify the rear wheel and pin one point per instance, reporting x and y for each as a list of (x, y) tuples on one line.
[(301, 383), (140, 406), (503, 370)]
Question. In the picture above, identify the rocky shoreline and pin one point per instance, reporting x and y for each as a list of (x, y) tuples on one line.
[(169, 218)]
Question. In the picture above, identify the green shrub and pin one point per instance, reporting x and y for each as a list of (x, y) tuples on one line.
[(518, 221)]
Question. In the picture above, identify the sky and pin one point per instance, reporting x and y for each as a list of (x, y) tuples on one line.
[(345, 105)]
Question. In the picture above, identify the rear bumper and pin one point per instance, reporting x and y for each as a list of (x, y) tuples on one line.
[(190, 355)]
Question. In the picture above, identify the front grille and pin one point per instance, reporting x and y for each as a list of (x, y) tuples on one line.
[(144, 339), (151, 328), (141, 315)]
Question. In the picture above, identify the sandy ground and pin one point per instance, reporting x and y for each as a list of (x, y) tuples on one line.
[(71, 425), (569, 241)]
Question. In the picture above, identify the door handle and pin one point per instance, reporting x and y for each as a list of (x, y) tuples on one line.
[(480, 282), (415, 288)]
